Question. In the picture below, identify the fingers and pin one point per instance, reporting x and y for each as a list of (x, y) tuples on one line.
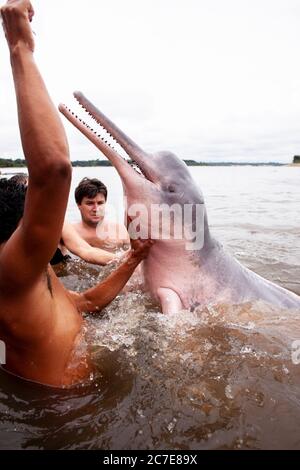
[(141, 248), (16, 15), (129, 221), (4, 21), (18, 6), (30, 14)]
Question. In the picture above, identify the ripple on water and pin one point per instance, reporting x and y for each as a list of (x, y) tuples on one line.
[(217, 377)]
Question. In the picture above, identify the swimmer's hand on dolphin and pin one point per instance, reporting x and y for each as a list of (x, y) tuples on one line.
[(140, 248), (98, 297), (16, 18)]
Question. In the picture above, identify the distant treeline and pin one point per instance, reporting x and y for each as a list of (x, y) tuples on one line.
[(19, 163), (9, 163), (91, 163), (194, 163), (296, 159)]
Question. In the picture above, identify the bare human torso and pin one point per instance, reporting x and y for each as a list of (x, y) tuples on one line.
[(43, 353), (108, 235)]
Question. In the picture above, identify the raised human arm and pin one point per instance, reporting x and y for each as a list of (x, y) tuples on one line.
[(97, 298), (79, 247), (46, 151)]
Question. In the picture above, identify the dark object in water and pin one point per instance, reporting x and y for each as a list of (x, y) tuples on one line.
[(59, 258)]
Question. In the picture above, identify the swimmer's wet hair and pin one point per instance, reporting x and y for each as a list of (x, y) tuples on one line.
[(20, 178), (12, 201), (89, 188)]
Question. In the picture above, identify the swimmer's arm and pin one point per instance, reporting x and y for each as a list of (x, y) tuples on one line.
[(97, 298), (79, 247), (28, 251)]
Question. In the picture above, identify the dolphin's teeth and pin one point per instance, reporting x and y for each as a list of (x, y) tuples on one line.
[(98, 129)]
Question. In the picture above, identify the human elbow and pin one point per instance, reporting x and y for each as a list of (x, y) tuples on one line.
[(62, 169), (55, 170), (89, 305)]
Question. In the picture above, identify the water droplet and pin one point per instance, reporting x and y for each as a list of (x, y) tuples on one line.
[(140, 413), (229, 392), (171, 425)]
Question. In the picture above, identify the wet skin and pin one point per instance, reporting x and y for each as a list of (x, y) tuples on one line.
[(40, 321)]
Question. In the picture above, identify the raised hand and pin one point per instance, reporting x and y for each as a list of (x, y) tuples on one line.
[(16, 18)]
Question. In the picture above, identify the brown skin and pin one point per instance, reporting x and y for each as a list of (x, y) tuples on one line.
[(76, 244), (82, 239), (40, 321)]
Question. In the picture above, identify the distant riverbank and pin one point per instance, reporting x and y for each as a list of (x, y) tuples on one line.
[(19, 163)]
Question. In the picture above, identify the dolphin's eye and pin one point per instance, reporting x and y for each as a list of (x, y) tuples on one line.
[(171, 189)]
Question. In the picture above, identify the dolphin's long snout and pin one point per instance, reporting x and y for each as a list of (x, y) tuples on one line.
[(115, 135), (130, 147)]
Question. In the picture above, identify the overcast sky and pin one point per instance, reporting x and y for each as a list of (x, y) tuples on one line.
[(208, 79)]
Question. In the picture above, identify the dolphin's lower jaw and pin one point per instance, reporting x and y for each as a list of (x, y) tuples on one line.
[(184, 281), (174, 298), (181, 279), (175, 276)]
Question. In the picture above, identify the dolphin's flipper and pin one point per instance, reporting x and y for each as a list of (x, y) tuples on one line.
[(170, 300)]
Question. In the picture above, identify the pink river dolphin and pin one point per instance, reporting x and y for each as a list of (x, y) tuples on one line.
[(178, 274)]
